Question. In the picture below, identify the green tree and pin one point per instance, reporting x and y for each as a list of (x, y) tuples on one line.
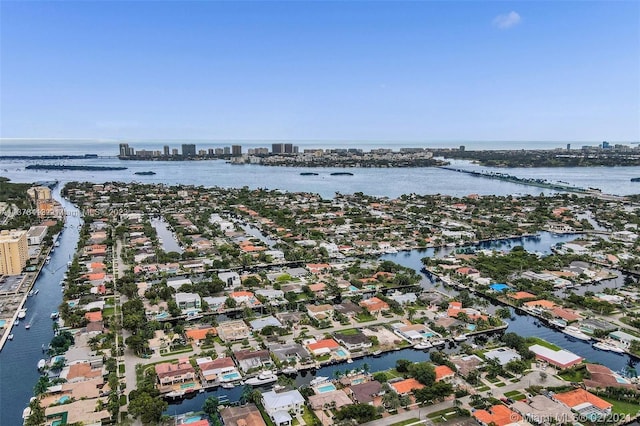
[(37, 416), (147, 408), (210, 406)]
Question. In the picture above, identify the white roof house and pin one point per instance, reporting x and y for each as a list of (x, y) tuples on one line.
[(230, 279), (503, 355), (279, 405), (260, 323)]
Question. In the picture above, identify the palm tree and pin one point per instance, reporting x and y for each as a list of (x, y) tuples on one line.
[(365, 368)]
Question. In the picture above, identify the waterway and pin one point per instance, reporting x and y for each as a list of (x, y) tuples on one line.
[(166, 236), (18, 359), (524, 325)]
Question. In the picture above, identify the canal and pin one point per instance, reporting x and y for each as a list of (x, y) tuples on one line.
[(165, 236), (18, 359), (523, 325)]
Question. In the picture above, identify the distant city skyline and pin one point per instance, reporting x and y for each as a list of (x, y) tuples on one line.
[(321, 71)]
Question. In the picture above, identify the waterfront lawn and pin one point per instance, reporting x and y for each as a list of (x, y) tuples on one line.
[(538, 341), (309, 416), (623, 407)]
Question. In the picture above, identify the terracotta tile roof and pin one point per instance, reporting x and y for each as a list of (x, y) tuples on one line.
[(167, 369), (406, 386), (325, 343), (443, 371), (374, 304), (546, 304), (498, 414), (93, 316), (200, 333), (519, 295), (581, 396)]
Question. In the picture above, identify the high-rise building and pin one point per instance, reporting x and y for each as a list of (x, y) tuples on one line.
[(124, 149), (227, 150), (188, 150), (568, 147), (277, 148), (13, 252), (219, 151), (236, 150), (174, 151), (211, 152), (39, 193), (288, 148), (166, 150)]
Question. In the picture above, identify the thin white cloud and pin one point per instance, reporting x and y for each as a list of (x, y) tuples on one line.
[(509, 20)]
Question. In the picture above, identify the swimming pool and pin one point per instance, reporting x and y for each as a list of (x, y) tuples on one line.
[(162, 315), (63, 399), (357, 381), (329, 387), (471, 327), (622, 380), (341, 353), (353, 288), (187, 385), (191, 419), (231, 376), (3, 323)]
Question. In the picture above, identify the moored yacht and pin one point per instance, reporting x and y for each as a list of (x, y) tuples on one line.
[(576, 333), (262, 379), (604, 346)]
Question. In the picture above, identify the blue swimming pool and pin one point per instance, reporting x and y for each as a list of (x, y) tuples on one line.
[(499, 287), (3, 323), (63, 399), (357, 381), (192, 419), (230, 376), (162, 315), (353, 288), (326, 388), (341, 353)]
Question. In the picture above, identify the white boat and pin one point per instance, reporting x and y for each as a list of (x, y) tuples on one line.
[(262, 379), (175, 394), (349, 361), (558, 323), (57, 244), (318, 380), (289, 370), (422, 345), (48, 259), (41, 364), (10, 337), (54, 315), (17, 322), (604, 346), (228, 385), (439, 343), (460, 338), (22, 313), (576, 333), (28, 326)]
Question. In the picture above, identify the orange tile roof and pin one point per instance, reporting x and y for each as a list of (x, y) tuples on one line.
[(199, 333), (317, 287), (498, 414), (580, 396), (519, 295), (93, 316), (325, 343), (374, 304), (241, 294), (546, 304), (406, 386), (83, 369), (443, 371)]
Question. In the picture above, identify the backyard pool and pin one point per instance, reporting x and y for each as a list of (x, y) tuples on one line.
[(192, 419), (326, 388), (230, 376), (342, 353), (162, 315)]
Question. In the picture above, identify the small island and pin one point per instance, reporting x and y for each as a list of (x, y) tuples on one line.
[(636, 179), (65, 167), (308, 174), (341, 174), (149, 173)]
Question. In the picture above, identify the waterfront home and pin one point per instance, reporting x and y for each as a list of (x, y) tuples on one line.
[(521, 295), (320, 312), (466, 364), (230, 279), (188, 301), (279, 406), (260, 323), (246, 415), (334, 400), (93, 316), (230, 331), (270, 294), (561, 358), (348, 308), (585, 403), (322, 347), (502, 355), (374, 305), (455, 309), (354, 340), (248, 359), (498, 415), (216, 304), (198, 334), (290, 352), (602, 377), (169, 373), (404, 298), (365, 393), (540, 409), (592, 325), (211, 371), (82, 370), (80, 411), (406, 386), (177, 282), (569, 315), (413, 333), (444, 373), (245, 298)]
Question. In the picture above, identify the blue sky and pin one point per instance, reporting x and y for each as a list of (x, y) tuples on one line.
[(321, 70)]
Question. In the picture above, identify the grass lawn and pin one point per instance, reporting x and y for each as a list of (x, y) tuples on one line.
[(501, 384), (349, 332), (406, 422), (364, 317), (573, 375), (483, 388), (517, 395), (107, 312), (623, 407), (309, 416), (494, 380), (538, 341), (443, 415)]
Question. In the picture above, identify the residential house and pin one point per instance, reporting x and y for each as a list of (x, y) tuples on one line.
[(230, 279), (375, 305), (245, 415), (364, 393), (406, 386), (188, 301), (584, 403), (248, 359), (498, 415), (320, 312), (230, 331), (169, 373), (279, 405), (212, 370), (444, 373), (353, 341)]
